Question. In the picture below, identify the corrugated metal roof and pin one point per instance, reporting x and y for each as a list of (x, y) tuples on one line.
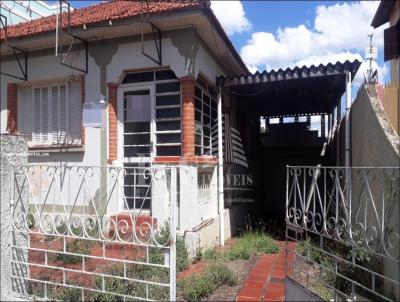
[(292, 73)]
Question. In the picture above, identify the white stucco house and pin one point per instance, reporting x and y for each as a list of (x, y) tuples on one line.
[(155, 67)]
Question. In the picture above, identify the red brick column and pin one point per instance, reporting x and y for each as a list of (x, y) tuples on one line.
[(112, 122), (83, 96), (188, 123), (12, 107)]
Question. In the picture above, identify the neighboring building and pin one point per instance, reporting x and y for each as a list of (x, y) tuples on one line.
[(22, 11), (174, 86), (389, 11)]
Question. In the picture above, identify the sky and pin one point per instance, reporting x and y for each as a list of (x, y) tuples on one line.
[(279, 34)]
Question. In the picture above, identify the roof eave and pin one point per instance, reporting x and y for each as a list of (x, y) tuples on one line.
[(382, 13), (214, 21)]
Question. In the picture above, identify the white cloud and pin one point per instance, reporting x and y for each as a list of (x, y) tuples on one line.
[(231, 15), (340, 33)]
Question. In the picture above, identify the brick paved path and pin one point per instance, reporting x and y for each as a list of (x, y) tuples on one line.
[(266, 281)]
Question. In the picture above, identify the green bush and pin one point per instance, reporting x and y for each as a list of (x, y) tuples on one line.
[(157, 255), (68, 294), (78, 246), (182, 255), (250, 244), (195, 288)]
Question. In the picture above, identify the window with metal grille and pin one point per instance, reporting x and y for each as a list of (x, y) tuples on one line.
[(57, 114), (205, 119), (167, 109)]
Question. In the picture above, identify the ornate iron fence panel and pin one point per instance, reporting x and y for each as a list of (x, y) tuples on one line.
[(87, 233), (342, 231)]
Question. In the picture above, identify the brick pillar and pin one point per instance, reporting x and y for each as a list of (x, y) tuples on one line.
[(12, 107), (188, 123), (83, 97), (112, 122)]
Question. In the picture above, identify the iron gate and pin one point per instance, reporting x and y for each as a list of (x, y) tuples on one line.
[(77, 236), (342, 232)]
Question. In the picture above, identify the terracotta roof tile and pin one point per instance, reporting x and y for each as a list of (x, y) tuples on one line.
[(113, 10)]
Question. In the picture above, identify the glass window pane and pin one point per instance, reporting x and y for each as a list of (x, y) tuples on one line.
[(168, 113), (136, 139), (138, 107), (197, 92), (197, 116), (137, 127), (168, 150), (168, 125), (168, 138), (197, 139), (166, 100), (197, 151), (168, 87), (138, 77), (165, 75), (198, 127)]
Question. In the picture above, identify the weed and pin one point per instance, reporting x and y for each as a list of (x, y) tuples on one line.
[(211, 254), (195, 288), (199, 254), (182, 255), (250, 244)]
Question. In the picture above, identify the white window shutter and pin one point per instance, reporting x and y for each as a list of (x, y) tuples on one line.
[(55, 115), (63, 115), (45, 115), (37, 121), (75, 112)]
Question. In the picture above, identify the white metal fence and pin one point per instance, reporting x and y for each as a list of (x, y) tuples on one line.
[(84, 238), (345, 225)]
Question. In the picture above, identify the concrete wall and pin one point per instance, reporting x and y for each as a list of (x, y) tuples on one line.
[(376, 144), (374, 141)]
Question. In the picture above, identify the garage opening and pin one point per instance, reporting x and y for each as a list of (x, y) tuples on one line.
[(287, 117)]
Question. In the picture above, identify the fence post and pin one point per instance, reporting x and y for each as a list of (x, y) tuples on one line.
[(173, 198), (13, 154)]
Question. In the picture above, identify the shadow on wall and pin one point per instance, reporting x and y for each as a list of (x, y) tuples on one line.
[(188, 46)]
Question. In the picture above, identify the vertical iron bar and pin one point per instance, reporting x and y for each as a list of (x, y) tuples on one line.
[(287, 194), (221, 200), (172, 257)]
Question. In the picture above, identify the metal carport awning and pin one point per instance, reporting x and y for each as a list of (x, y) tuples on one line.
[(290, 92), (293, 91)]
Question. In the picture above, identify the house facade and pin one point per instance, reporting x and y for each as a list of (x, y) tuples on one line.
[(389, 12), (152, 72)]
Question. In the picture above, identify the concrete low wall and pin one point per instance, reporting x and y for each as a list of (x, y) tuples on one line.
[(14, 152), (375, 143)]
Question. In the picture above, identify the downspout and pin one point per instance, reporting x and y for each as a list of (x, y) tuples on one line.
[(338, 134), (347, 120), (220, 170), (348, 138)]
